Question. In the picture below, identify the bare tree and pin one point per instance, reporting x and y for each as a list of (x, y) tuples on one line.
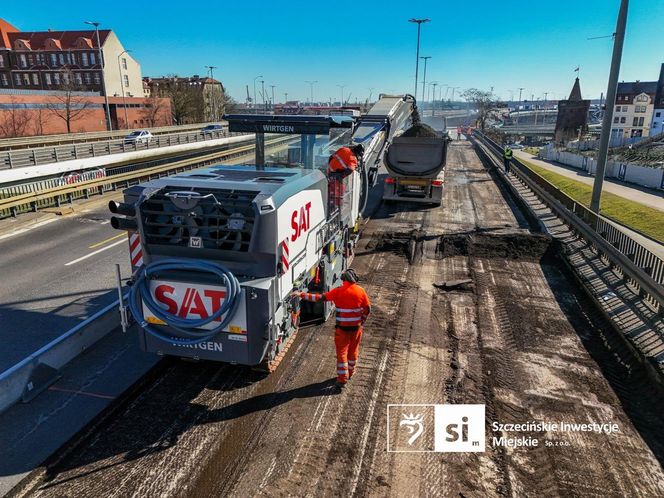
[(187, 103), (67, 104), (228, 104), (154, 108), (16, 122), (483, 101)]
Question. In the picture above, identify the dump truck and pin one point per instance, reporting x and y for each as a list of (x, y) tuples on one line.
[(416, 168)]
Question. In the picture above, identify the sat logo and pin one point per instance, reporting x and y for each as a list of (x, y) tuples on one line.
[(300, 221)]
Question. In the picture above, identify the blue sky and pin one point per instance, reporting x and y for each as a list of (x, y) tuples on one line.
[(505, 44)]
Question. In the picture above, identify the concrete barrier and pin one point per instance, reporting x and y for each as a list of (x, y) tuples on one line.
[(44, 170), (32, 375)]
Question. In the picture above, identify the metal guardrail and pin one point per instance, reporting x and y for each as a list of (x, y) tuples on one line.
[(70, 138), (47, 155), (58, 193), (643, 270), (32, 375)]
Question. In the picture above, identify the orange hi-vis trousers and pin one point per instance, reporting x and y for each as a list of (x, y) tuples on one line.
[(348, 350)]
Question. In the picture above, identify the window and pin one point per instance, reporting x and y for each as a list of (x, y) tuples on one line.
[(622, 120), (40, 58), (84, 59), (124, 63), (641, 119), (658, 114), (93, 58), (624, 108), (61, 59), (615, 120), (47, 78), (22, 60), (56, 78), (617, 108), (2, 61), (35, 79), (4, 79), (54, 60), (97, 79), (65, 78), (87, 78), (31, 60), (126, 80), (26, 78), (17, 79), (78, 79)]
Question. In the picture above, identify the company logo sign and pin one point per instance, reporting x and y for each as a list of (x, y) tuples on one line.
[(300, 221), (436, 428), (278, 129)]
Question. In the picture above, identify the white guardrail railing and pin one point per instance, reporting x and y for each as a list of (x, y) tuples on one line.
[(21, 158)]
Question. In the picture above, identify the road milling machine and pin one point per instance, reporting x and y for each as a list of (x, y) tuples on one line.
[(218, 252)]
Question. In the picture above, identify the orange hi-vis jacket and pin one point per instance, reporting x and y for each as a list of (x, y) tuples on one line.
[(343, 160), (351, 302)]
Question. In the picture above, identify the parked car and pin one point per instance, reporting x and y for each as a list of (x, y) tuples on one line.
[(139, 137), (211, 129)]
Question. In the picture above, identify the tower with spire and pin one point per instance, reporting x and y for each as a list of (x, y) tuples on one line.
[(572, 115)]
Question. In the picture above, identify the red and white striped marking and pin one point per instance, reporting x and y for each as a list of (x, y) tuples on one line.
[(284, 254), (135, 250)]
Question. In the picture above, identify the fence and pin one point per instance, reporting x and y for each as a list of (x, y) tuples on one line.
[(628, 172), (48, 155)]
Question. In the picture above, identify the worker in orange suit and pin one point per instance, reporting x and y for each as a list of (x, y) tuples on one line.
[(352, 309), (343, 160)]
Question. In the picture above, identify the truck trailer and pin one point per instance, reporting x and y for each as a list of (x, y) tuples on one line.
[(416, 169)]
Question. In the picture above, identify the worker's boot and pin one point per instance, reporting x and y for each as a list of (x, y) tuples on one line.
[(340, 385)]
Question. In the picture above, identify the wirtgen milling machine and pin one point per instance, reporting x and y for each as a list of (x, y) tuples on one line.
[(217, 252)]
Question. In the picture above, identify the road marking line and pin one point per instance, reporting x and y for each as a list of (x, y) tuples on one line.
[(107, 240), (94, 252), (84, 393), (27, 229)]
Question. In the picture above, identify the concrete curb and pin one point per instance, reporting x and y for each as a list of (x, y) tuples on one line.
[(32, 375)]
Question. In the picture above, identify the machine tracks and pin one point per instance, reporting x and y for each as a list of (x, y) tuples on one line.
[(519, 336)]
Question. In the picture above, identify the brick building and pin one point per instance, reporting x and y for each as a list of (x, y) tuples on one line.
[(45, 60), (24, 113)]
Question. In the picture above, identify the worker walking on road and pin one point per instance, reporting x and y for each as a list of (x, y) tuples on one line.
[(507, 159), (352, 309)]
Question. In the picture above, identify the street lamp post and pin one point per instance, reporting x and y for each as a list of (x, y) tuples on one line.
[(424, 79), (109, 125), (214, 97), (311, 91), (433, 108), (517, 114), (263, 94), (610, 105), (255, 103), (419, 23), (342, 94), (124, 102)]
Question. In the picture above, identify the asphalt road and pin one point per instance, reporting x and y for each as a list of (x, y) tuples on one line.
[(56, 274)]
